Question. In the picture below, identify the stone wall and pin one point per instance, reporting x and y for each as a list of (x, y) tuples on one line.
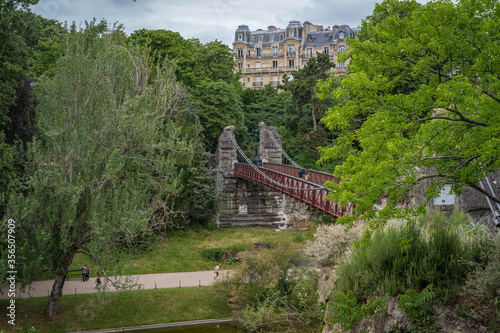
[(470, 200)]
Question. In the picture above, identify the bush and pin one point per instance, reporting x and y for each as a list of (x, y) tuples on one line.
[(331, 242), (412, 256), (272, 292), (214, 254), (483, 282)]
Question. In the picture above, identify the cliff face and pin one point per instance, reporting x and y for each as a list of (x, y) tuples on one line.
[(462, 315)]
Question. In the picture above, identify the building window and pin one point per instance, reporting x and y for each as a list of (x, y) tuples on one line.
[(258, 52), (341, 34), (239, 53), (290, 33), (275, 64), (240, 36), (341, 63), (271, 38), (275, 51), (248, 79), (309, 52), (257, 64), (291, 50), (341, 49), (326, 50), (251, 39), (291, 63), (282, 36), (260, 39)]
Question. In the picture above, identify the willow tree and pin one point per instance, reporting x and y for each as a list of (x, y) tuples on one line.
[(446, 120), (103, 172)]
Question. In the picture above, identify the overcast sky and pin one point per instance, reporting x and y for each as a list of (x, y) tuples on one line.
[(207, 20)]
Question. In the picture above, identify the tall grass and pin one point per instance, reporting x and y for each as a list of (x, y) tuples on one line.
[(432, 250)]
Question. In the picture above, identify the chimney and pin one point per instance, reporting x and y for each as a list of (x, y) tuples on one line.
[(334, 29), (271, 28)]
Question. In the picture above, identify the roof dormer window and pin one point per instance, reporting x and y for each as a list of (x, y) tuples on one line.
[(260, 39), (290, 33), (240, 37), (251, 39), (341, 34), (271, 38)]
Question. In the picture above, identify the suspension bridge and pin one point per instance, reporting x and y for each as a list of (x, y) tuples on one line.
[(265, 188)]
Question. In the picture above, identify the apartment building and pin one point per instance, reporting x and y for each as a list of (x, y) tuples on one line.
[(263, 56)]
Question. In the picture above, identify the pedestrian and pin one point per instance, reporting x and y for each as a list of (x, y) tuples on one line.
[(85, 272), (260, 162), (216, 272), (303, 173), (98, 280), (255, 161)]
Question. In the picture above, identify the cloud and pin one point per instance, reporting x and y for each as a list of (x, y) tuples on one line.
[(206, 20)]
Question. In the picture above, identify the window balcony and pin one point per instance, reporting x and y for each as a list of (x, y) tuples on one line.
[(257, 84), (290, 53), (280, 69)]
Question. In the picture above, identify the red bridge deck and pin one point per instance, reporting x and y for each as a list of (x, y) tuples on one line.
[(300, 189)]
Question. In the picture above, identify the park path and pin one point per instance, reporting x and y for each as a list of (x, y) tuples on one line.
[(147, 281)]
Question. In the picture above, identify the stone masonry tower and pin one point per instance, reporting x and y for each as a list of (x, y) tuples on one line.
[(268, 151)]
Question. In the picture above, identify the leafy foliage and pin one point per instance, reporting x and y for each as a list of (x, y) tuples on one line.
[(417, 101), (103, 172), (412, 256), (347, 312), (417, 307), (331, 242), (483, 281), (272, 292)]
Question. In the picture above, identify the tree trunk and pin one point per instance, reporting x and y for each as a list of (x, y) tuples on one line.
[(313, 114), (76, 233), (57, 288)]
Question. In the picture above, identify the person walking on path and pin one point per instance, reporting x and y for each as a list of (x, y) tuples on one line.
[(85, 273), (216, 272), (98, 280)]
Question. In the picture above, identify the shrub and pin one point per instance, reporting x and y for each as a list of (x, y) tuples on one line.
[(412, 256), (483, 282), (213, 254), (331, 242), (273, 292)]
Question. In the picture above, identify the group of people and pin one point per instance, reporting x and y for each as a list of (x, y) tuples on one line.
[(86, 275), (257, 162)]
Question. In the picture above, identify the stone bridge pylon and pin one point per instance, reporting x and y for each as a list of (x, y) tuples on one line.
[(243, 203)]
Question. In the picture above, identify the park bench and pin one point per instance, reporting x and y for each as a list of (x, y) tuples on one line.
[(74, 273)]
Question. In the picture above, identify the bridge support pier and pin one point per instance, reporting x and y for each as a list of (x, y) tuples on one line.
[(243, 203)]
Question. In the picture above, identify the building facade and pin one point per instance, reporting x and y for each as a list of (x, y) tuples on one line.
[(264, 56)]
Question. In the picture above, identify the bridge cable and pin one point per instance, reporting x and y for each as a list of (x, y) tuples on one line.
[(233, 140), (281, 149)]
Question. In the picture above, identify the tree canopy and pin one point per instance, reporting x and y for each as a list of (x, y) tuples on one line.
[(105, 170), (444, 125)]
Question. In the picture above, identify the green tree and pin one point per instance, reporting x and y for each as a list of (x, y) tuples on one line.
[(103, 171), (447, 125), (166, 44), (14, 52), (219, 105), (303, 84)]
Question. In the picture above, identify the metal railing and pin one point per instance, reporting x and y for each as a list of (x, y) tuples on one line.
[(300, 189)]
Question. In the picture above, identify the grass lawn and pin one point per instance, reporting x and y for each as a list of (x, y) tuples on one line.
[(184, 253), (93, 311)]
